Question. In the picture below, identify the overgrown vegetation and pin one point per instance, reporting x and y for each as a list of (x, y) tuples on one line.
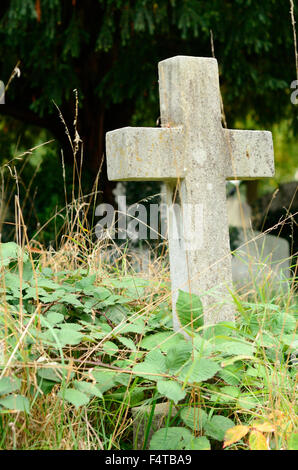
[(82, 343), (87, 348)]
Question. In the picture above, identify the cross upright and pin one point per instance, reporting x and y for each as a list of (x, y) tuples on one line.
[(194, 155)]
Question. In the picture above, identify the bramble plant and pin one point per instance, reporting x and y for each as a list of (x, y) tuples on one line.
[(80, 348)]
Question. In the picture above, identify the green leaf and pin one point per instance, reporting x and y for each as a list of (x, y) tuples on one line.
[(171, 390), (247, 402), (173, 438), (234, 346), (267, 340), (53, 373), (199, 443), (227, 394), (291, 341), (106, 379), (282, 322), (154, 363), (110, 348), (231, 374), (127, 342), (194, 418), (16, 403), (46, 386), (217, 426), (85, 282), (178, 356), (88, 388), (9, 385), (49, 374), (32, 293), (293, 441), (100, 292), (46, 284), (13, 283), (199, 370), (71, 326), (223, 328), (11, 252), (117, 313), (138, 326), (258, 370), (67, 336), (190, 311), (163, 340), (75, 397), (202, 345), (54, 318), (72, 300)]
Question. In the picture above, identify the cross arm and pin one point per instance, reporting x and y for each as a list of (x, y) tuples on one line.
[(144, 153), (251, 154)]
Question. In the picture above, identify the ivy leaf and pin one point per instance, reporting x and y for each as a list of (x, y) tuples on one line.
[(16, 403), (190, 311), (194, 418), (171, 390)]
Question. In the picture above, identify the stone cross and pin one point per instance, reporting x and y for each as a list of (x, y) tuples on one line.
[(194, 155)]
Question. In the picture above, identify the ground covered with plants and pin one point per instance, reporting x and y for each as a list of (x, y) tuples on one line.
[(83, 343)]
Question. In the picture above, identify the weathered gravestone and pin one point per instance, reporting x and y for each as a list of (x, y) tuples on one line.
[(261, 258), (195, 155), (258, 257)]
